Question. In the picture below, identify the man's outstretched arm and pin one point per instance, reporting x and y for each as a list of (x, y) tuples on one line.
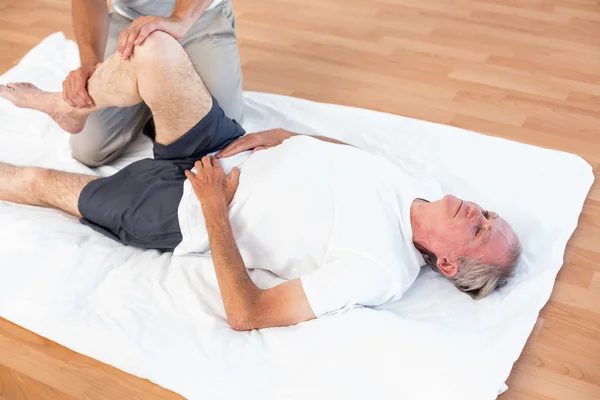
[(264, 140), (246, 305)]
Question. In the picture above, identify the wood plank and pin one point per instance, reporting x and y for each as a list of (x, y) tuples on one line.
[(16, 386)]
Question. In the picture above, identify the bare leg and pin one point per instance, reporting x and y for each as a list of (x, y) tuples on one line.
[(42, 187), (159, 73)]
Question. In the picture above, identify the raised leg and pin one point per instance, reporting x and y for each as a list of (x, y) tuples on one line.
[(171, 87), (42, 187), (159, 73), (109, 132)]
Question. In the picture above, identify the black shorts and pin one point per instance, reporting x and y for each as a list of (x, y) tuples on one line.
[(138, 205)]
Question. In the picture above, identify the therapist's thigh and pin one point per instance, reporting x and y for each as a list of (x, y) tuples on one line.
[(211, 44)]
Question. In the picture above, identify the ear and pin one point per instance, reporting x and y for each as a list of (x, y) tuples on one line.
[(448, 268)]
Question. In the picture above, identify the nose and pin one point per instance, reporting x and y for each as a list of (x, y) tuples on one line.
[(476, 215), (475, 212)]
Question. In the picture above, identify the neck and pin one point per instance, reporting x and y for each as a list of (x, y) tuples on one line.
[(417, 223)]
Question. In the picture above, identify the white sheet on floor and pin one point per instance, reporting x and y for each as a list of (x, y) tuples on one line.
[(160, 317)]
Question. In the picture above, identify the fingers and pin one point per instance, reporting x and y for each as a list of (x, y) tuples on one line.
[(135, 34), (190, 175), (242, 144), (225, 152), (206, 162), (229, 150), (215, 164), (129, 42), (122, 41), (75, 91), (67, 92), (81, 97), (258, 149), (234, 177), (143, 34)]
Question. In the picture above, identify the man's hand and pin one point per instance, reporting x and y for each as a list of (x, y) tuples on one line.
[(256, 141), (75, 87), (210, 182), (140, 28)]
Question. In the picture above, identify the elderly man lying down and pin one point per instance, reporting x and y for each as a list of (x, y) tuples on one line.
[(344, 228)]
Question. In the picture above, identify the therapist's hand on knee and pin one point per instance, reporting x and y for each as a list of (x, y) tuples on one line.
[(211, 185), (140, 28)]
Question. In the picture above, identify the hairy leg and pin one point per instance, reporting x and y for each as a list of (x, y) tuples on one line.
[(159, 73), (113, 84), (171, 87), (42, 187)]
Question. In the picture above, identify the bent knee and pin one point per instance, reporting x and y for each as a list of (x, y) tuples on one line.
[(158, 46), (88, 154)]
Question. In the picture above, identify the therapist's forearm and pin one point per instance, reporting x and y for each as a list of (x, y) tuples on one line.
[(240, 295), (190, 10), (90, 19)]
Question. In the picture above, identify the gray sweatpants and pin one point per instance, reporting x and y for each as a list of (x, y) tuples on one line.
[(211, 45)]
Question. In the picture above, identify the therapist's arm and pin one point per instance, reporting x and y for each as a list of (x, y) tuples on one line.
[(184, 15), (264, 140), (246, 305), (90, 20)]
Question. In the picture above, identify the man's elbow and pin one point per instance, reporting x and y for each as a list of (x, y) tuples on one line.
[(241, 326), (241, 323), (242, 318)]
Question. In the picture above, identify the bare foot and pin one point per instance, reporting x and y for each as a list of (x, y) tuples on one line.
[(26, 95)]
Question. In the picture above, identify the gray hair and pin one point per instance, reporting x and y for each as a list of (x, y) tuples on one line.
[(477, 278)]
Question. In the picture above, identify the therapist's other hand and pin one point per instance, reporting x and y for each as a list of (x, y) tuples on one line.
[(75, 91), (256, 141), (211, 185), (140, 28)]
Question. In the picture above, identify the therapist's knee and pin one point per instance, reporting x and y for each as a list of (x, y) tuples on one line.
[(88, 152)]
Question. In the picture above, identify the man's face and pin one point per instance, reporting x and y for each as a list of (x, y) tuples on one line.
[(459, 228)]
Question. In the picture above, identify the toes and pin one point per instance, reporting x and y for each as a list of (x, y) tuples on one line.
[(21, 85)]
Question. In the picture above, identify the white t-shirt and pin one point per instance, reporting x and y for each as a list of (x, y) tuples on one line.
[(133, 9), (334, 215)]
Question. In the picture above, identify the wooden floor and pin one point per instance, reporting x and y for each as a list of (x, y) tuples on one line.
[(527, 70)]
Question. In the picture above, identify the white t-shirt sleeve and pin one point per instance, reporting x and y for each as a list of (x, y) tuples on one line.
[(348, 279)]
